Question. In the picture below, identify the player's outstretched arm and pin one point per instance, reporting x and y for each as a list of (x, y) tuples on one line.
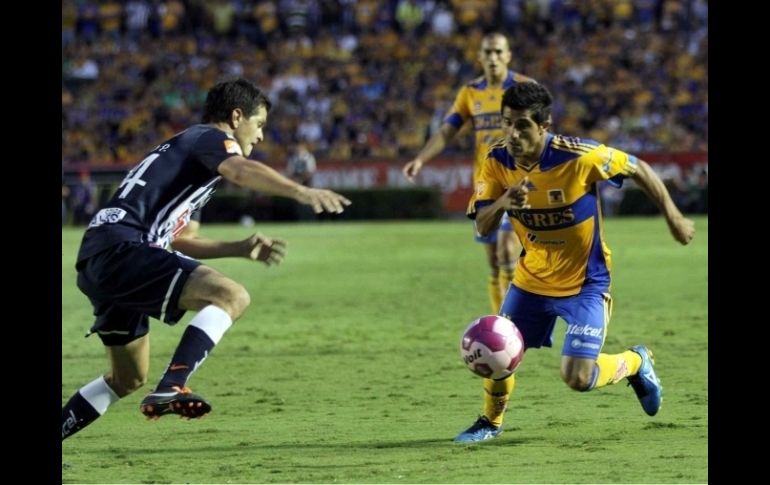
[(258, 176), (256, 247), (488, 218), (682, 228), (266, 250), (436, 143)]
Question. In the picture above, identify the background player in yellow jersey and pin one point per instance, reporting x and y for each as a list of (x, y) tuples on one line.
[(548, 184), (479, 102)]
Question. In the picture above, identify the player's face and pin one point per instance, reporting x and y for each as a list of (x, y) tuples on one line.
[(249, 131), (524, 138), (494, 55)]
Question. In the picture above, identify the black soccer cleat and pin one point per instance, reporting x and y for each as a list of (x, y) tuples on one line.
[(174, 400)]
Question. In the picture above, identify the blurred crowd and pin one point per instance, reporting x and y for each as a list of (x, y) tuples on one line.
[(355, 79)]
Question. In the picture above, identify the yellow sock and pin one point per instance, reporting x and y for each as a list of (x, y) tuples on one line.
[(504, 278), (496, 394), (493, 289), (614, 367)]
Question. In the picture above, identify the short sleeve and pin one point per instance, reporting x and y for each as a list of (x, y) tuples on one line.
[(610, 164), (459, 111), (487, 190), (215, 146)]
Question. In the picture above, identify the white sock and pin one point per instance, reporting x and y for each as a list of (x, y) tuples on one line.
[(99, 394), (213, 321)]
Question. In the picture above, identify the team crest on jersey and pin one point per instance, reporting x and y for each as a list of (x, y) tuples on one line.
[(556, 196), (109, 215), (232, 146), (477, 106)]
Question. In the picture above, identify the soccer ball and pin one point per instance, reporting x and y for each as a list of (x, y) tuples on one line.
[(492, 347)]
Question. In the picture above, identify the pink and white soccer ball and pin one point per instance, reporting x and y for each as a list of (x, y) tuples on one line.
[(492, 347)]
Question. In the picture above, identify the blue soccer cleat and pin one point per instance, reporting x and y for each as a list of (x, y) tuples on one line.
[(646, 384), (481, 430)]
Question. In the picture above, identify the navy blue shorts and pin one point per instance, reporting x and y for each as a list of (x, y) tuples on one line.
[(130, 282), (587, 316)]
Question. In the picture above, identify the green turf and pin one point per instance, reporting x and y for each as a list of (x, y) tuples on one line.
[(346, 369)]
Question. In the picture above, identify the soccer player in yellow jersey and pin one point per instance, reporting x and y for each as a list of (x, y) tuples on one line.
[(548, 184), (479, 102)]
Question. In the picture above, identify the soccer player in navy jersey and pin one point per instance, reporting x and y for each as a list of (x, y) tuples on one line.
[(547, 183), (478, 103), (126, 270)]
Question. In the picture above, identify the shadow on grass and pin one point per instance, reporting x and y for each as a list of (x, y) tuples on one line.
[(426, 444)]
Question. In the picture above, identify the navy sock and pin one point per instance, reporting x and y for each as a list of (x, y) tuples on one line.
[(190, 353), (76, 415)]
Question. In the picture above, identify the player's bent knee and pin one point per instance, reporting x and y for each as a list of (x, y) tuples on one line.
[(577, 381), (237, 300), (243, 300)]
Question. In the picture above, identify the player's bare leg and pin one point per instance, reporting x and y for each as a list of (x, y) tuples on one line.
[(493, 285), (220, 301), (129, 365), (508, 250), (635, 364)]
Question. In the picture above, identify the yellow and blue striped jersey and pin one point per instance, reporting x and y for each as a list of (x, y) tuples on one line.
[(562, 233), (480, 102)]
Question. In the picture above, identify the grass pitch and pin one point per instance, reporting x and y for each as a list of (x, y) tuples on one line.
[(346, 369)]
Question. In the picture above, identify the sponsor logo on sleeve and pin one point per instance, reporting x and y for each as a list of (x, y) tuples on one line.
[(232, 146)]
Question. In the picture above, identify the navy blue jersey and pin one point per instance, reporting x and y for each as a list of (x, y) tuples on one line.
[(156, 199)]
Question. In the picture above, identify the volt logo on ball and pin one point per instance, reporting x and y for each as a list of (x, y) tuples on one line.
[(473, 356)]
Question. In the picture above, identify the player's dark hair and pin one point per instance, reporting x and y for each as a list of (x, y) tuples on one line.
[(491, 34), (226, 96), (530, 96)]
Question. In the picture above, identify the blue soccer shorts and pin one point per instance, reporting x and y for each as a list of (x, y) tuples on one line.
[(491, 238), (130, 282), (587, 316)]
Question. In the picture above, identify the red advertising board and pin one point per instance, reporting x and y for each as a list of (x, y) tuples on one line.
[(452, 177)]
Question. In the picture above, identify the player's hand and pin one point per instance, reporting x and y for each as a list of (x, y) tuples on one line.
[(264, 249), (682, 228), (322, 200), (411, 169), (516, 197)]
